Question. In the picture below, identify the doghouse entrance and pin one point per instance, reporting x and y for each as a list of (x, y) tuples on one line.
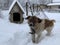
[(16, 17)]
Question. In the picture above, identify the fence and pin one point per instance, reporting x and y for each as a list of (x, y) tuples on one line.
[(35, 8)]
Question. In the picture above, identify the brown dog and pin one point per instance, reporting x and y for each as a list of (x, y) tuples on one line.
[(38, 25)]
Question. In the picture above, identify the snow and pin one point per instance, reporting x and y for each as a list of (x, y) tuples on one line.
[(16, 1), (18, 34), (50, 4)]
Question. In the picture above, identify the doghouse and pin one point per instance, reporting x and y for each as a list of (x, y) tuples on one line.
[(16, 12)]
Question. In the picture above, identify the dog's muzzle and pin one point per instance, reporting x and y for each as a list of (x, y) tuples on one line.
[(32, 28), (31, 24)]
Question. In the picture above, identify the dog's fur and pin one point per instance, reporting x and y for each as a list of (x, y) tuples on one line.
[(38, 25)]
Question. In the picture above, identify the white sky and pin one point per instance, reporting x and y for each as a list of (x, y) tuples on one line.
[(56, 0)]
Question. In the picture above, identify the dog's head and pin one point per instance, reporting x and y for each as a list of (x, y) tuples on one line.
[(32, 20)]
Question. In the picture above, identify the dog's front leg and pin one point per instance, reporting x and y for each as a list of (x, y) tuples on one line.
[(38, 37), (33, 38)]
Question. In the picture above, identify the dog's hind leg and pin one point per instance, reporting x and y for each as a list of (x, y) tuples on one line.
[(49, 30)]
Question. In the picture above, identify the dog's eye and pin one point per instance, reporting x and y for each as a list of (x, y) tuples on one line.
[(31, 20)]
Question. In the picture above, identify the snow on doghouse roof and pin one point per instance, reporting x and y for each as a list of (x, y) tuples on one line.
[(51, 4), (16, 1)]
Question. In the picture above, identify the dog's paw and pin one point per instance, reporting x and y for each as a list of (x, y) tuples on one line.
[(33, 41), (48, 34)]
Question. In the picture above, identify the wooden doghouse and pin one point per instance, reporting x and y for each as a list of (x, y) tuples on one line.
[(16, 12)]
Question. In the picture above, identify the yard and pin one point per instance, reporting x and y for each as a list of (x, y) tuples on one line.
[(18, 34)]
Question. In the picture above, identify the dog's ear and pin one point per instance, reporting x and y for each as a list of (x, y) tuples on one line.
[(28, 17), (39, 20)]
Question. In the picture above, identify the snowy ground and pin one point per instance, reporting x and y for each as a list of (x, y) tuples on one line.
[(18, 34)]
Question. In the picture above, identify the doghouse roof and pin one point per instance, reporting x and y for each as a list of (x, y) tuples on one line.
[(14, 2)]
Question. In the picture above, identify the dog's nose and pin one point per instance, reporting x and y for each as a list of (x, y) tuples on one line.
[(30, 24)]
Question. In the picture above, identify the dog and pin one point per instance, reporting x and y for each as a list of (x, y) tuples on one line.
[(38, 25)]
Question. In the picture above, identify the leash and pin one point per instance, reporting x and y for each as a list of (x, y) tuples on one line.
[(33, 31)]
